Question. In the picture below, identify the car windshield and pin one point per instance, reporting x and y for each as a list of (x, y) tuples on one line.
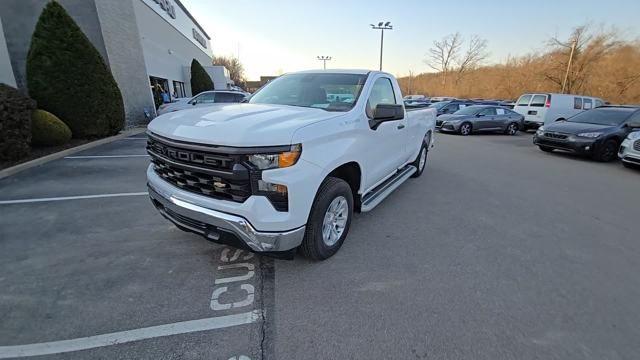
[(331, 92), (470, 110), (610, 117), (440, 105)]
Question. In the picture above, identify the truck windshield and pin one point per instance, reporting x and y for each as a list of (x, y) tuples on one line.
[(330, 92)]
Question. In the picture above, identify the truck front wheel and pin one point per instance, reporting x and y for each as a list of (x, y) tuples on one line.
[(329, 220)]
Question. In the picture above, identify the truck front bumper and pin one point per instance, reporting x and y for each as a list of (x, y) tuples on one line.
[(219, 226)]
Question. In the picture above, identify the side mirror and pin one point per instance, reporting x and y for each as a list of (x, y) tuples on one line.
[(386, 112), (194, 102), (479, 115)]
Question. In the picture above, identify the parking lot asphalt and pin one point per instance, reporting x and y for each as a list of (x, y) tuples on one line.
[(498, 251)]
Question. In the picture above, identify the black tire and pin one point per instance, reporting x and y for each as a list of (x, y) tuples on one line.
[(607, 152), (512, 129), (423, 149), (545, 148), (313, 245), (465, 129)]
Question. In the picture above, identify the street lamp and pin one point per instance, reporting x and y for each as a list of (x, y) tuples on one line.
[(382, 26), (324, 60)]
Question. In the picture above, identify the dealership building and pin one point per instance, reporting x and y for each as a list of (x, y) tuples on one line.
[(143, 42)]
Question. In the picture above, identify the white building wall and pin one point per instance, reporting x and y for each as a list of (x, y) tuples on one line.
[(220, 76), (122, 44), (167, 50), (6, 71)]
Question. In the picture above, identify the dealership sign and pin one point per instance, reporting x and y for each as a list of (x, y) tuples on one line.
[(167, 6), (199, 38)]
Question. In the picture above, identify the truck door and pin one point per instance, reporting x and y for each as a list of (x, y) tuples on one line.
[(386, 143)]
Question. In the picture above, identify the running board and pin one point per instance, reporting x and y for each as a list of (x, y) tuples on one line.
[(375, 197)]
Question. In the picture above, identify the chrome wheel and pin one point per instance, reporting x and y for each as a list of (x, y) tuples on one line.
[(465, 129), (423, 159), (335, 220), (513, 129)]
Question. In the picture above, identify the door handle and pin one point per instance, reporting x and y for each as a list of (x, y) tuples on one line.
[(400, 126)]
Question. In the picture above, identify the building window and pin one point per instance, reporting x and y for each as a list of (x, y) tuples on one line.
[(178, 89)]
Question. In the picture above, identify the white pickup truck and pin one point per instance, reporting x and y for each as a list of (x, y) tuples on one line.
[(289, 168)]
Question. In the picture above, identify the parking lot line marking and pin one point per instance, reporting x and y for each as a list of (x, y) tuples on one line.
[(121, 337), (104, 156), (80, 197)]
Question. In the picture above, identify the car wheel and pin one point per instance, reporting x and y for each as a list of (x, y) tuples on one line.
[(465, 129), (512, 129), (329, 220), (607, 151), (545, 148), (421, 160)]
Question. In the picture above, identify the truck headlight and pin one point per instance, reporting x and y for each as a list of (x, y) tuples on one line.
[(279, 160), (634, 135), (591, 135)]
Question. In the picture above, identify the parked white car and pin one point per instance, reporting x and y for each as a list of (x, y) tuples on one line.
[(630, 149), (205, 98), (541, 109), (289, 168)]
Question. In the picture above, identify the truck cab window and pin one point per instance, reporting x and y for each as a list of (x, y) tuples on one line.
[(381, 93)]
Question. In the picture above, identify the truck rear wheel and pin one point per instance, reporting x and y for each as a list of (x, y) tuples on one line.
[(329, 220), (421, 161)]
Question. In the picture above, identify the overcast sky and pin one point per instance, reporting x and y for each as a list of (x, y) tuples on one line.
[(276, 36)]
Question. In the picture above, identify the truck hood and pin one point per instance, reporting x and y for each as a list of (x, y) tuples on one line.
[(238, 124)]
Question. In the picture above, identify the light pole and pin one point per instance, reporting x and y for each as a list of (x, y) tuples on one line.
[(324, 60), (382, 26), (574, 43)]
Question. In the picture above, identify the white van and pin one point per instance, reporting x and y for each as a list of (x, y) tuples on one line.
[(540, 109)]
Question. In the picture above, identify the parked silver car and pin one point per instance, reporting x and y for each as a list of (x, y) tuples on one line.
[(205, 98), (482, 118), (629, 151)]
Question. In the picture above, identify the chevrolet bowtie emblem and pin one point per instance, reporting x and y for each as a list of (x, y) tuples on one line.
[(219, 184)]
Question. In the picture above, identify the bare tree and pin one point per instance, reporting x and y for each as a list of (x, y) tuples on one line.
[(443, 54), (474, 56), (588, 47), (235, 67)]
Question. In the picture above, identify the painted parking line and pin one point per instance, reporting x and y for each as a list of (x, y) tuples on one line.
[(105, 156), (63, 198), (90, 342)]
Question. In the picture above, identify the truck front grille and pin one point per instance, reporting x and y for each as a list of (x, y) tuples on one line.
[(202, 183), (636, 145), (192, 168)]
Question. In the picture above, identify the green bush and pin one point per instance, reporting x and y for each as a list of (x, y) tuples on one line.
[(67, 76), (200, 80), (48, 130), (15, 123)]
